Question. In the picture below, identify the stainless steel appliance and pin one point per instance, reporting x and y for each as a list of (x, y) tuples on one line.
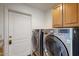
[(37, 41), (56, 42)]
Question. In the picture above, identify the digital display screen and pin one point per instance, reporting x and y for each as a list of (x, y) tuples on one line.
[(63, 31)]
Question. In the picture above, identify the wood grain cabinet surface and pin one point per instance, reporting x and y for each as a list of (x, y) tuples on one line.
[(70, 15), (66, 15), (57, 16)]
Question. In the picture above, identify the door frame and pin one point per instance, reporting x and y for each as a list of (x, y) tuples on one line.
[(6, 27)]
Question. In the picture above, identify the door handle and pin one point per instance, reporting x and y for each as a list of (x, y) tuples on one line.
[(10, 42), (10, 36)]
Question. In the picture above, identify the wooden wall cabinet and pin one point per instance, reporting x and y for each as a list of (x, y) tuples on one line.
[(70, 15), (67, 16), (57, 16)]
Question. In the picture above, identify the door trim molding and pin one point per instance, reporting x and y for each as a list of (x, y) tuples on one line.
[(19, 12)]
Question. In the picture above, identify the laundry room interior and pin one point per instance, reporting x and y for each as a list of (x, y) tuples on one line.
[(39, 29)]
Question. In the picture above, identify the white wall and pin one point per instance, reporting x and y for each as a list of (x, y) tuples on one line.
[(48, 19), (40, 19), (37, 15)]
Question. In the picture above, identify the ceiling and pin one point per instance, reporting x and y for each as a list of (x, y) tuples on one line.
[(42, 6)]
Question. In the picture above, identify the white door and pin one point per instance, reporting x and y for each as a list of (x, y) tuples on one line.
[(19, 34)]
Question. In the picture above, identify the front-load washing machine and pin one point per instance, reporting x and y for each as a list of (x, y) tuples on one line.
[(57, 42), (52, 42)]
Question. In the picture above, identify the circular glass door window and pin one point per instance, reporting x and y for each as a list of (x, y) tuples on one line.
[(55, 46)]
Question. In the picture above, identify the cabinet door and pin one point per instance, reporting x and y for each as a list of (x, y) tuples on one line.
[(70, 17), (57, 16)]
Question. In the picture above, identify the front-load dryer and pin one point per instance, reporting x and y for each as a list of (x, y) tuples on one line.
[(57, 42)]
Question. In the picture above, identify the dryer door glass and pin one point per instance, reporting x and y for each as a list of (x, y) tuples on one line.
[(55, 46)]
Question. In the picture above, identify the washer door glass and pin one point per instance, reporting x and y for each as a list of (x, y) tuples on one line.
[(55, 47)]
